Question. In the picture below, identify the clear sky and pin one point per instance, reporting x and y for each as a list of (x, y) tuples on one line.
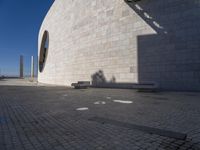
[(20, 21)]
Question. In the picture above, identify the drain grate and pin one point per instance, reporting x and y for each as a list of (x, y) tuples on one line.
[(150, 130)]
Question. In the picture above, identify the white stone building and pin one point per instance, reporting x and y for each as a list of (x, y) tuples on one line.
[(122, 42)]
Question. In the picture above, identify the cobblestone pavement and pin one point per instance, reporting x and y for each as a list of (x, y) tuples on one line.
[(48, 118)]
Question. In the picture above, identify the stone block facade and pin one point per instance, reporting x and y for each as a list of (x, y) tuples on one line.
[(128, 42)]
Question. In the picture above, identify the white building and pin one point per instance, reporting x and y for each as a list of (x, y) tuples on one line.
[(118, 41)]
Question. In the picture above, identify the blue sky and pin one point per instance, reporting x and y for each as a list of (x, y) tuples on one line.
[(20, 21)]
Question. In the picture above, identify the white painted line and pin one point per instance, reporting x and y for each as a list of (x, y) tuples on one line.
[(108, 97), (83, 108), (100, 102), (123, 101), (65, 95)]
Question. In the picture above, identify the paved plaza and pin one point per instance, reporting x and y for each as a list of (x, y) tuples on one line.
[(37, 117)]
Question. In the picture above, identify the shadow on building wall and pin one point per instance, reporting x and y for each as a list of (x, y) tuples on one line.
[(99, 80), (172, 56)]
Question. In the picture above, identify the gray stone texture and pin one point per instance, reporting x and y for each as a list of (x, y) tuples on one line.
[(148, 41), (46, 118)]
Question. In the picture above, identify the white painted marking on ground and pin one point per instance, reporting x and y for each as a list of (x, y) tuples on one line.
[(123, 101), (100, 102), (138, 7), (83, 108), (65, 95), (108, 97)]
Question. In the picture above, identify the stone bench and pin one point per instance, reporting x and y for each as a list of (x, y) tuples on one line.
[(81, 84), (146, 87), (141, 87)]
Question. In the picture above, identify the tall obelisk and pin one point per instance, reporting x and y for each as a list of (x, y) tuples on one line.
[(32, 66), (21, 68)]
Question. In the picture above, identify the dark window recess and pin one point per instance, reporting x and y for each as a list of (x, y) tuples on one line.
[(43, 50)]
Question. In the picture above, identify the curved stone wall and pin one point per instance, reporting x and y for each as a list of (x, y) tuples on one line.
[(117, 41)]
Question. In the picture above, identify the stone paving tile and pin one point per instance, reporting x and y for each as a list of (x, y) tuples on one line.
[(45, 118)]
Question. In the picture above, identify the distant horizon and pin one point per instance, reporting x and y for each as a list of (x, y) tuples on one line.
[(15, 76), (19, 30), (14, 72)]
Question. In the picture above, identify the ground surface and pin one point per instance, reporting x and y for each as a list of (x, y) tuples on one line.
[(47, 118)]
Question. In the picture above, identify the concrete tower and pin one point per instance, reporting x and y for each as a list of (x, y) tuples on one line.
[(32, 66), (21, 68)]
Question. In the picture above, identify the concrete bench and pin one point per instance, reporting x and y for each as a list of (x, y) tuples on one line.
[(146, 87), (141, 87), (81, 84)]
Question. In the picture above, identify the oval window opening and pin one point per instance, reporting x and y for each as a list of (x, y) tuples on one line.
[(43, 50)]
